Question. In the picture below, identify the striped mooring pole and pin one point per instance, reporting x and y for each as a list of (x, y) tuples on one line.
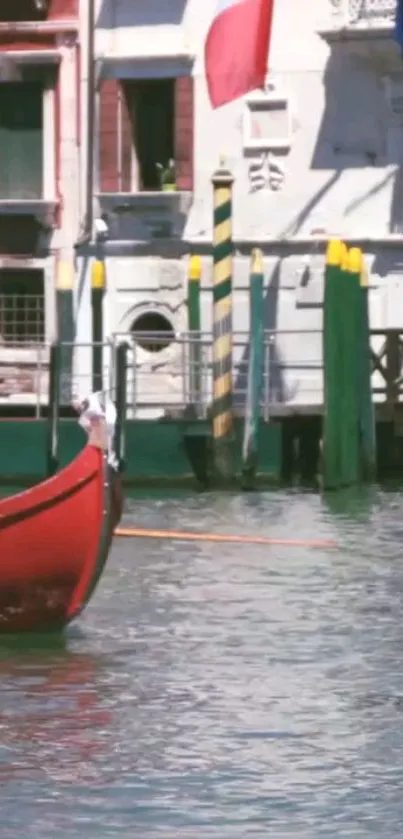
[(222, 181)]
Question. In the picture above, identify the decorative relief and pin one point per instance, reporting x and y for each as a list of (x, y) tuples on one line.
[(267, 172)]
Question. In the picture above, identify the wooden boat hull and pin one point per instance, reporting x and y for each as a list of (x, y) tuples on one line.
[(54, 541)]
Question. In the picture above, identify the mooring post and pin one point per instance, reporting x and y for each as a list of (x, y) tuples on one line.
[(367, 430), (349, 372), (121, 403), (222, 181), (393, 368), (52, 442), (255, 372), (194, 320), (65, 327), (97, 303), (332, 302)]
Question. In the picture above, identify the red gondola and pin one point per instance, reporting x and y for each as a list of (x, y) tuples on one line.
[(55, 539)]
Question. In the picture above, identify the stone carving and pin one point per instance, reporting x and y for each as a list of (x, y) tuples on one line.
[(364, 11), (267, 172)]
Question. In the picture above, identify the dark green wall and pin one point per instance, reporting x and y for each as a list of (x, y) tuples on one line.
[(154, 450)]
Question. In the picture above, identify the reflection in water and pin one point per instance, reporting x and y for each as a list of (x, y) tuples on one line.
[(216, 691), (50, 716)]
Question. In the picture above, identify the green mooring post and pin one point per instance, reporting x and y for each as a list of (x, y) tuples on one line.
[(194, 278), (255, 373), (367, 430), (52, 442), (222, 326), (121, 403), (349, 374), (331, 357), (97, 302), (65, 327)]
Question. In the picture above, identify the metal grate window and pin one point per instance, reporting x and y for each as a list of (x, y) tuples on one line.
[(22, 318), (22, 307)]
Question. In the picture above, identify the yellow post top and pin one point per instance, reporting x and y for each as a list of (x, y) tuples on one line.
[(257, 261), (195, 268), (334, 252), (344, 257), (355, 261), (98, 274), (65, 276)]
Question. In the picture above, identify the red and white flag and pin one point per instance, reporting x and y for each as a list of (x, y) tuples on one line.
[(237, 49)]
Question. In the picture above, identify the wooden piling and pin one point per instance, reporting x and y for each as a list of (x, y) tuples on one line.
[(52, 443), (97, 304), (367, 430), (194, 320), (255, 373), (65, 327), (121, 403), (331, 359)]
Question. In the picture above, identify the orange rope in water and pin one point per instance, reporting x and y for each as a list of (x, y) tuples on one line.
[(140, 533)]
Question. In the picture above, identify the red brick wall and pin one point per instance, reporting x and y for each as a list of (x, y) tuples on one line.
[(111, 180), (112, 108), (108, 137), (184, 122), (63, 9)]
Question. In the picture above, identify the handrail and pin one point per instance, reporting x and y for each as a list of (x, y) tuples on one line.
[(161, 381)]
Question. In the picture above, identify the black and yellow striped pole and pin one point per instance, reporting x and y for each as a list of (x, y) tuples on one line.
[(97, 303), (65, 327), (222, 324)]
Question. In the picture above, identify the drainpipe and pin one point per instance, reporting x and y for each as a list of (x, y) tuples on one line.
[(88, 89)]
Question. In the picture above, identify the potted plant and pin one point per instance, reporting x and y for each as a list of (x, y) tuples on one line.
[(167, 176)]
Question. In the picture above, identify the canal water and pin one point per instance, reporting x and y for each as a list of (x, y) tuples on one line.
[(216, 690)]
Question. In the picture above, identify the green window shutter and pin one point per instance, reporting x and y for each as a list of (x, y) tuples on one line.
[(21, 141)]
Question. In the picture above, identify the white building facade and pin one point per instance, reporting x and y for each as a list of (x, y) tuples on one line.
[(318, 154)]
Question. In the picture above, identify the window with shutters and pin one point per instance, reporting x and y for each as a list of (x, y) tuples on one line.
[(146, 135), (21, 141)]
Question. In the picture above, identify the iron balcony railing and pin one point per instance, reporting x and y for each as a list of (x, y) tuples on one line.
[(365, 12)]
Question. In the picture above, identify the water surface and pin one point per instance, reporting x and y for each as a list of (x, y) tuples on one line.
[(218, 690)]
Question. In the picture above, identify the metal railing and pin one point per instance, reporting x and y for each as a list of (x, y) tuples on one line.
[(165, 381), (180, 375)]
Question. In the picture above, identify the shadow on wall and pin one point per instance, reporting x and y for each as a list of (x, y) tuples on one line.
[(120, 13), (358, 130), (276, 384)]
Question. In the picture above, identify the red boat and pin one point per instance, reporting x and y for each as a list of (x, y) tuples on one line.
[(54, 542)]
